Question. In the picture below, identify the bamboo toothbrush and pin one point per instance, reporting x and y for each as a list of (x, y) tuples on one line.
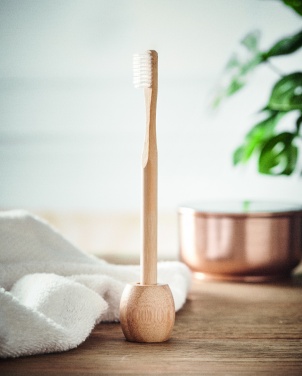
[(146, 76), (147, 310)]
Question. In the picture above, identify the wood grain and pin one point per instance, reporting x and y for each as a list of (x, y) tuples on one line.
[(223, 329), (147, 313)]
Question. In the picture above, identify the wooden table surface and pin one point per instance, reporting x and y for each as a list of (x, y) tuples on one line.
[(224, 329)]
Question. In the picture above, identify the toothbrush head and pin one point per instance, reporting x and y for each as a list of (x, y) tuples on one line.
[(143, 69)]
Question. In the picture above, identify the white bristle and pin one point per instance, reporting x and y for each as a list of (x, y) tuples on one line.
[(142, 70)]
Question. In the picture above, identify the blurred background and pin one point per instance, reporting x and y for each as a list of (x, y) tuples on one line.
[(72, 125)]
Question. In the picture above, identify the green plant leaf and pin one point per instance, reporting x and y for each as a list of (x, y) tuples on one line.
[(265, 128), (285, 46), (235, 85), (232, 63), (296, 5), (238, 155), (287, 93), (256, 137), (239, 66), (298, 124), (251, 41), (279, 155)]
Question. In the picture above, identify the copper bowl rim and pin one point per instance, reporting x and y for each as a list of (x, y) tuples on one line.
[(188, 209)]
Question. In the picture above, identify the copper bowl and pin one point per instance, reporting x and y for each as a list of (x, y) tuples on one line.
[(252, 241)]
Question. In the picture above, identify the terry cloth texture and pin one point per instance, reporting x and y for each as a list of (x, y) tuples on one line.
[(52, 294)]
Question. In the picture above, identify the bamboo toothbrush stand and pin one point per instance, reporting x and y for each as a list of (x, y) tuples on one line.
[(147, 313)]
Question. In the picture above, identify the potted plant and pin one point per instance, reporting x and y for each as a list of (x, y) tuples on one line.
[(253, 242), (276, 151)]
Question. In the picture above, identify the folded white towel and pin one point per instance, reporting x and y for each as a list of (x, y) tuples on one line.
[(52, 294)]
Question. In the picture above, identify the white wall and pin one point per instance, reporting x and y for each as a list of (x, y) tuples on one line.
[(72, 125)]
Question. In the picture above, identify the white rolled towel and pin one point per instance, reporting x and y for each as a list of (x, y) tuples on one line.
[(52, 294)]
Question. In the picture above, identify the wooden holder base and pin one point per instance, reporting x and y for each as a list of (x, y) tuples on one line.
[(147, 313)]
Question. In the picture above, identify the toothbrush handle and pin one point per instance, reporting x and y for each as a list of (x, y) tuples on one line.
[(149, 220)]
